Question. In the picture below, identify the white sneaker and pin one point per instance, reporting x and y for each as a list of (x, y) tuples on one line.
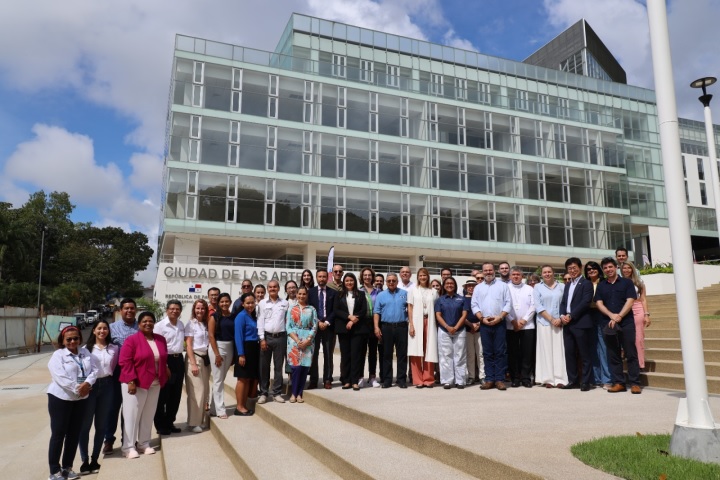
[(132, 453), (362, 383), (262, 399), (56, 476), (149, 451), (375, 383), (278, 399), (197, 429)]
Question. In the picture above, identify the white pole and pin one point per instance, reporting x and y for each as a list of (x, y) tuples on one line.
[(713, 163), (697, 414)]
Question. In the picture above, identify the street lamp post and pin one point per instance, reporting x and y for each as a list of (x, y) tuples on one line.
[(705, 100), (695, 434), (43, 229)]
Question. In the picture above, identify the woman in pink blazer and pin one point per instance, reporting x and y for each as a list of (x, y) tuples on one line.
[(143, 371)]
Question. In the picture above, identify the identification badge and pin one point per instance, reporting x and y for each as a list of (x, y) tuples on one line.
[(81, 379)]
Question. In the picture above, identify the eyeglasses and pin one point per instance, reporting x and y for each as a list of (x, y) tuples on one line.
[(72, 339), (338, 271)]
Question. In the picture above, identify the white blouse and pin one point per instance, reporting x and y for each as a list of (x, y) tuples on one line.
[(106, 359), (350, 303), (66, 369), (199, 332)]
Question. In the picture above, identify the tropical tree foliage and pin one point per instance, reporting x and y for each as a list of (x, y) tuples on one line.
[(82, 264)]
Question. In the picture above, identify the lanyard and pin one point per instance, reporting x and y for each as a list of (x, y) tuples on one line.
[(79, 363)]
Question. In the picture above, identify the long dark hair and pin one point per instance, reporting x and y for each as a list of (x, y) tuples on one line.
[(355, 290), (312, 279), (595, 266), (92, 340)]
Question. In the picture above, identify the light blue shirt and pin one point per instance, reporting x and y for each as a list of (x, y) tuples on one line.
[(572, 286), (120, 331), (491, 299), (548, 299), (392, 306)]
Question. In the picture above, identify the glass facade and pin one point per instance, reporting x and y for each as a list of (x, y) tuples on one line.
[(350, 130)]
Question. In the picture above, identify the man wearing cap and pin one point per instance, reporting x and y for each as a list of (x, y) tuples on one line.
[(473, 344)]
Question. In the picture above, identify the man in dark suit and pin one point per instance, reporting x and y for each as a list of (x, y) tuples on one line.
[(578, 326), (322, 298)]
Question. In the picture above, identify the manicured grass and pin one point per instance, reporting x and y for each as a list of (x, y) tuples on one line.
[(641, 457), (709, 317)]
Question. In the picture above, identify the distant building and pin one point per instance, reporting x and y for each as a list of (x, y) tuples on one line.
[(394, 149)]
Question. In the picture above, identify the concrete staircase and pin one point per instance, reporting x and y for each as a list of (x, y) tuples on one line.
[(663, 357), (325, 439)]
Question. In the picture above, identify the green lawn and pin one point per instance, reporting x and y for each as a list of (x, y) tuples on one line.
[(709, 317), (642, 457)]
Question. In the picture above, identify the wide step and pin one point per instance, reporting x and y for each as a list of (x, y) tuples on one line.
[(259, 451), (352, 452)]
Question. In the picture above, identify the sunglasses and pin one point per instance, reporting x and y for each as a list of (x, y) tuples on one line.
[(72, 339), (246, 286), (337, 271)]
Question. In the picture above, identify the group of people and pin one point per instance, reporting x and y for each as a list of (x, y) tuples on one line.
[(491, 329)]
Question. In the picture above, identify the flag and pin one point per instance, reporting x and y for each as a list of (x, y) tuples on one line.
[(331, 259), (195, 288)]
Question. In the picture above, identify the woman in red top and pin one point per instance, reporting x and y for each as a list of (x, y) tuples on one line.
[(143, 371)]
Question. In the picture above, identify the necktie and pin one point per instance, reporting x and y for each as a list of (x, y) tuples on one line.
[(321, 302)]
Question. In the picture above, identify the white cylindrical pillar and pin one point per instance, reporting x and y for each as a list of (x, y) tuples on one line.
[(697, 413), (713, 163)]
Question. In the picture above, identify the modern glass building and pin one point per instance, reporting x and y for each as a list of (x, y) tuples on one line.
[(400, 151)]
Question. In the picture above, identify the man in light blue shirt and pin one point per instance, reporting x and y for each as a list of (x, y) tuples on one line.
[(391, 327), (490, 304)]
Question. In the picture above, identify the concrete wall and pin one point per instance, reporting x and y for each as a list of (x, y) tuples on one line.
[(664, 283), (18, 329)]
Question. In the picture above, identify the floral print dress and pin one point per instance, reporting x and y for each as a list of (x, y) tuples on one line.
[(303, 322)]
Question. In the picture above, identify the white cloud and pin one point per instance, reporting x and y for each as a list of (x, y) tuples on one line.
[(451, 39), (623, 27)]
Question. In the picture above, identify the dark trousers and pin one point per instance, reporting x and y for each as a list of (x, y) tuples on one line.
[(395, 336), (299, 376), (521, 353), (352, 357), (112, 421), (99, 405), (276, 351), (494, 351), (624, 339), (375, 352), (579, 341), (65, 422), (326, 338), (169, 400)]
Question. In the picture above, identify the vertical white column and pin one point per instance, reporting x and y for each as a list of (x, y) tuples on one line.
[(696, 413), (713, 164)]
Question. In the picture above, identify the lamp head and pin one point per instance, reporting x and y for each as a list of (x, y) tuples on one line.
[(703, 82)]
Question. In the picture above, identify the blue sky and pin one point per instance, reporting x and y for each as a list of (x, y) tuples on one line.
[(84, 85)]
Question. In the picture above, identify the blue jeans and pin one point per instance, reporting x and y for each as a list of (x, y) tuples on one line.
[(99, 405), (600, 363), (494, 351)]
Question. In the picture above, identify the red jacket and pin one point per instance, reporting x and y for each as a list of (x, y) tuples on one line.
[(137, 360)]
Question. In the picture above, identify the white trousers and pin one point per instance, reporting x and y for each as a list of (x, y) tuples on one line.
[(198, 392), (550, 356), (452, 357), (217, 403), (138, 412), (474, 355)]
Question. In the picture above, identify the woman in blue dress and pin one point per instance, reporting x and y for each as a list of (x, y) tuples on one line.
[(550, 368), (301, 326)]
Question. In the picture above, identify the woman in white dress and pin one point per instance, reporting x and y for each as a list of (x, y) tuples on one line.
[(197, 370), (422, 331), (550, 368)]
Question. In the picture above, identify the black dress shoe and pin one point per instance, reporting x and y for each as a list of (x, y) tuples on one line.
[(402, 385), (384, 386), (174, 429), (312, 386), (164, 431), (527, 383), (570, 386), (238, 413), (515, 383), (586, 387)]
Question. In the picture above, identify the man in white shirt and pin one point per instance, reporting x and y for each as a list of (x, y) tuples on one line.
[(273, 341), (405, 283), (172, 328), (520, 324)]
